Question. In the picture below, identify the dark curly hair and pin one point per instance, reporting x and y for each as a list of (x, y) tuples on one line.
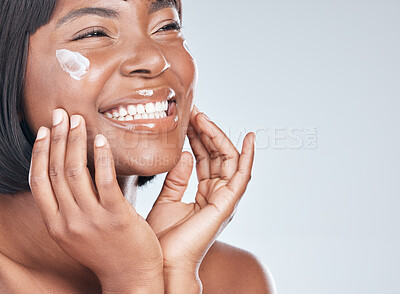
[(18, 20)]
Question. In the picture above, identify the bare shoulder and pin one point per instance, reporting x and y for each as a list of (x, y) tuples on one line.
[(14, 278), (228, 269)]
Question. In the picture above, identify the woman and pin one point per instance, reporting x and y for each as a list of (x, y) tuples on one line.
[(107, 87)]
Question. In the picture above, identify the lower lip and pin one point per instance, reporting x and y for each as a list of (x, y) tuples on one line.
[(160, 125)]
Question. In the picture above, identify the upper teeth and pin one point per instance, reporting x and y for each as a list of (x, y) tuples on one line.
[(139, 111)]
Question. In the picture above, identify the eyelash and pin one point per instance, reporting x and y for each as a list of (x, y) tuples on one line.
[(101, 33)]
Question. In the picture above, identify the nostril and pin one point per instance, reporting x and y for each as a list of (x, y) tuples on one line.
[(142, 71)]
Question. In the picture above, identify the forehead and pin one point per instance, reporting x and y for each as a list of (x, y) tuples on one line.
[(65, 6)]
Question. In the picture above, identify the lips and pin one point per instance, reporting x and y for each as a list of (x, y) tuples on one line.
[(144, 111), (140, 98)]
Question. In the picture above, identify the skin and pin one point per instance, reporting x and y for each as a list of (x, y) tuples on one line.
[(72, 209)]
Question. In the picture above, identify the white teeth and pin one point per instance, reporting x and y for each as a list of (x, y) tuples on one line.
[(150, 108), (122, 111), (159, 106), (140, 109), (154, 115), (115, 114), (132, 110)]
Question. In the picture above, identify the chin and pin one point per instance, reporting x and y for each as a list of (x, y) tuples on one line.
[(148, 163)]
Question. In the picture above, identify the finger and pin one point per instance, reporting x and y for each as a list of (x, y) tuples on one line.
[(58, 145), (201, 154), (193, 114), (110, 194), (224, 155), (177, 180), (212, 156), (76, 171), (238, 183), (39, 181)]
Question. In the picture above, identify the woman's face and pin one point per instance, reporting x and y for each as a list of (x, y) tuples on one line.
[(108, 56)]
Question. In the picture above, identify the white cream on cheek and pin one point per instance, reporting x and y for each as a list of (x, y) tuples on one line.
[(73, 63)]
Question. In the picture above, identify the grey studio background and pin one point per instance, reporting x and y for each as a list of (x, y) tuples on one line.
[(318, 81)]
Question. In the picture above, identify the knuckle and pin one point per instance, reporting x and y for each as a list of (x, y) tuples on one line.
[(57, 137), (74, 172), (98, 221), (105, 183), (74, 138), (200, 157), (56, 232), (75, 228), (247, 177), (36, 181), (38, 151), (119, 224), (56, 171)]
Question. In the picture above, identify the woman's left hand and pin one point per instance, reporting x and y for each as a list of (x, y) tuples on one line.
[(187, 231)]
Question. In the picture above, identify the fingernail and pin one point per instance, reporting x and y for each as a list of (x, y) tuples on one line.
[(206, 117), (41, 133), (100, 140), (75, 120), (57, 117)]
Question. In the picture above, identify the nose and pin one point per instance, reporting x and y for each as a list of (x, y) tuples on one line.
[(146, 60)]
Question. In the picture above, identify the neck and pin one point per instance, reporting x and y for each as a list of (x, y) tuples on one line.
[(128, 186)]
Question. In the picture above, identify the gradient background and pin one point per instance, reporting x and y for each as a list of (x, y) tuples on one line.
[(318, 81)]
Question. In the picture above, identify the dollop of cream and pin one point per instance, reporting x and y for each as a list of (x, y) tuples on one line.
[(73, 63)]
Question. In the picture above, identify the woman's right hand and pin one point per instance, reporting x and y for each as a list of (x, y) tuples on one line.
[(99, 229)]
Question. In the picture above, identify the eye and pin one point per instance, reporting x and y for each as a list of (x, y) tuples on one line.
[(173, 26), (91, 33)]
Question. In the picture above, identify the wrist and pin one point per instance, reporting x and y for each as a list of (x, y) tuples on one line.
[(182, 281), (137, 290), (139, 285)]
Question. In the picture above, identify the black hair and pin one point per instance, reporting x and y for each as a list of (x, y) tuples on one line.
[(18, 20)]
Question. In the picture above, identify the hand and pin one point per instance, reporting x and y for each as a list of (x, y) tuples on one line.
[(187, 231), (98, 228)]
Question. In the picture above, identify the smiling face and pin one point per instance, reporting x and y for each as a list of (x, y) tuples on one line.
[(108, 61)]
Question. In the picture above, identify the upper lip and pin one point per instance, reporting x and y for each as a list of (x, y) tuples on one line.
[(137, 97)]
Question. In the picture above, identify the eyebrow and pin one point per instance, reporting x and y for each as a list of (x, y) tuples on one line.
[(161, 4), (110, 13), (99, 11)]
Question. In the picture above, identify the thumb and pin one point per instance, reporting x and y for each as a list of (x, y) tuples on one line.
[(177, 180)]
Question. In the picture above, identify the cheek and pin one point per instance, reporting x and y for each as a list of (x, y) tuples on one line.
[(186, 67), (64, 79), (73, 63)]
